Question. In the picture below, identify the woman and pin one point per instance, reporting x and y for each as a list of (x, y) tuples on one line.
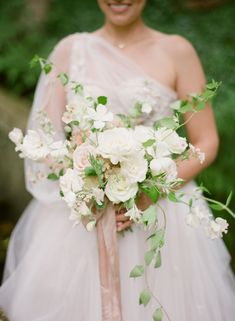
[(52, 271)]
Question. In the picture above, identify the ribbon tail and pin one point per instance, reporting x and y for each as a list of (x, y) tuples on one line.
[(109, 266)]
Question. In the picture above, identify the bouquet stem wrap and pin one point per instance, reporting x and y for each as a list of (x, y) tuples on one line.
[(109, 266)]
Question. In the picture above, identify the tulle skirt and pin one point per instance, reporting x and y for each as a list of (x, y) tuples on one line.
[(52, 273)]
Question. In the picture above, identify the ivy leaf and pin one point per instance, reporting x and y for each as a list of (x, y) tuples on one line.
[(200, 106), (149, 215), (217, 207), (167, 122), (158, 261), (145, 297), (172, 197), (150, 190), (148, 257), (47, 67), (63, 78), (229, 198), (102, 100), (137, 271), (157, 316), (53, 177), (157, 239)]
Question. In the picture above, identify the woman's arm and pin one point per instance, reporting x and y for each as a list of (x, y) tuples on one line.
[(201, 129)]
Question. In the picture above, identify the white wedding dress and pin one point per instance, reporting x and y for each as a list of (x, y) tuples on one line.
[(52, 271)]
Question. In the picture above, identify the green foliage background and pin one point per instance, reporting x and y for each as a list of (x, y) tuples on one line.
[(210, 31)]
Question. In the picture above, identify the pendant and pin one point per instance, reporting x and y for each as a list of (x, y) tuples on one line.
[(121, 45)]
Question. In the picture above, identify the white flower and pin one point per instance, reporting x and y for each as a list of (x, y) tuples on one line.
[(197, 153), (90, 226), (198, 215), (176, 105), (175, 143), (81, 157), (135, 167), (100, 115), (134, 213), (164, 165), (146, 108), (158, 149), (98, 195), (192, 220), (71, 181), (58, 149), (35, 145), (143, 133), (117, 144), (16, 136), (75, 217), (120, 189), (70, 198), (84, 209), (216, 228)]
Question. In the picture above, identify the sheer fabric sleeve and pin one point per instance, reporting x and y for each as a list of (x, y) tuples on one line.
[(50, 95)]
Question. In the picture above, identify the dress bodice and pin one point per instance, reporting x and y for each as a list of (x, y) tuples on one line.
[(105, 71)]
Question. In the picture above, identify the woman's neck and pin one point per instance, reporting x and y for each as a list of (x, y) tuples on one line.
[(125, 34)]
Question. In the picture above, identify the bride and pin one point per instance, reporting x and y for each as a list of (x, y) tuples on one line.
[(52, 270)]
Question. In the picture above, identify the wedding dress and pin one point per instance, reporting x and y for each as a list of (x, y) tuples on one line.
[(52, 271)]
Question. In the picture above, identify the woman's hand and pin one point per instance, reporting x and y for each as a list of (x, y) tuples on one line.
[(122, 221), (143, 202)]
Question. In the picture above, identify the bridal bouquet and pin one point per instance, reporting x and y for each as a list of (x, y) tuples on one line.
[(113, 158)]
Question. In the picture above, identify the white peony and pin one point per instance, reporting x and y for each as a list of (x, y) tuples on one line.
[(100, 115), (164, 165), (135, 167), (81, 157), (216, 228), (35, 145), (16, 136), (117, 144), (175, 143), (120, 189)]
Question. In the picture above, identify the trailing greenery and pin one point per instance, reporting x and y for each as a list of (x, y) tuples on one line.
[(211, 32)]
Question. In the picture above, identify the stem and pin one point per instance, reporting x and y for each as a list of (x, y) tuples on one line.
[(221, 204)]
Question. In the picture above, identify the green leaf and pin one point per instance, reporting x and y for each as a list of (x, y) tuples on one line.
[(149, 215), (137, 271), (148, 257), (229, 198), (151, 190), (167, 122), (98, 166), (89, 171), (63, 78), (186, 107), (102, 100), (200, 106), (53, 177), (149, 142), (157, 316), (34, 61), (157, 239), (47, 67), (158, 261), (172, 197), (145, 297), (217, 207)]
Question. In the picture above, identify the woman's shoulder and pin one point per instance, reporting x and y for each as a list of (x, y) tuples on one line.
[(65, 44), (174, 44)]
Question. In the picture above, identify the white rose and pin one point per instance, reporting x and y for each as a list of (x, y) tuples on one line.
[(117, 143), (175, 143), (120, 189), (164, 165), (81, 157), (16, 136), (135, 167), (71, 182), (35, 145)]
